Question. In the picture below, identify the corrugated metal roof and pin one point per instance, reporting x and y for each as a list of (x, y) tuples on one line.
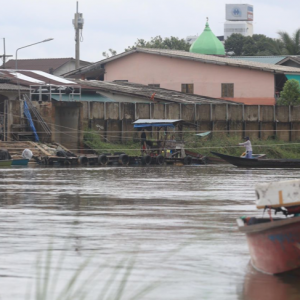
[(261, 59), (42, 64), (84, 97), (210, 59), (12, 87), (30, 77), (146, 92)]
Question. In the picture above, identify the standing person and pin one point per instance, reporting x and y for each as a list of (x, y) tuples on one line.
[(143, 140), (248, 147)]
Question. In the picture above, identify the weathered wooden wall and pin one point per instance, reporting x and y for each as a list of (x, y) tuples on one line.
[(115, 119)]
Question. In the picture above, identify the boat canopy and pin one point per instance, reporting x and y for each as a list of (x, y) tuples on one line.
[(155, 123), (278, 194)]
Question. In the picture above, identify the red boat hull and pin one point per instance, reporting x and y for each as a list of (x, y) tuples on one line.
[(274, 246)]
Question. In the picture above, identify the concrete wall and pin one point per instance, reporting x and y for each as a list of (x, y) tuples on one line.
[(250, 86), (114, 120)]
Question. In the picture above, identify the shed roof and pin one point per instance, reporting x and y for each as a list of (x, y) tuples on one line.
[(261, 59), (31, 77), (42, 64), (209, 59), (146, 92)]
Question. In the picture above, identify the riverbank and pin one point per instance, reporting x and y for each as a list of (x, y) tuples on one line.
[(222, 143)]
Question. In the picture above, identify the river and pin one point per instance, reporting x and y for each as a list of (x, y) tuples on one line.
[(132, 232)]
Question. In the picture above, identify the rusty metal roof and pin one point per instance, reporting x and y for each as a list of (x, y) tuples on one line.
[(12, 87), (147, 92)]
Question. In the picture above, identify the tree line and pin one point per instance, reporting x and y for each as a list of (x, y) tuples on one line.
[(236, 44)]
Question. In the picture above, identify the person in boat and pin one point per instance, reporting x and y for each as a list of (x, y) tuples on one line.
[(248, 147)]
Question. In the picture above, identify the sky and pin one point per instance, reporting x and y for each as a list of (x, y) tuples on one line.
[(118, 24)]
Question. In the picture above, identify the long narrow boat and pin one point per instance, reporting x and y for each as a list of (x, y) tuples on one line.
[(5, 163), (259, 163)]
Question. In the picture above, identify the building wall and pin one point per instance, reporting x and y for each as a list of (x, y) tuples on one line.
[(68, 67), (250, 86)]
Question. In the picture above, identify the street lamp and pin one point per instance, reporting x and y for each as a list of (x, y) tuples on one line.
[(47, 40)]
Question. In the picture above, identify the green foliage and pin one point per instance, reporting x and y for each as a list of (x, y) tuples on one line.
[(93, 140), (221, 142), (77, 286), (158, 42), (290, 94), (111, 52), (291, 44), (235, 44), (257, 45)]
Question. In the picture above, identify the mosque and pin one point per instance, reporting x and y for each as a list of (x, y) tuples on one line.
[(204, 70)]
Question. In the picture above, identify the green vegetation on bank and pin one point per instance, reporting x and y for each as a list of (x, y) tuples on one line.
[(217, 142)]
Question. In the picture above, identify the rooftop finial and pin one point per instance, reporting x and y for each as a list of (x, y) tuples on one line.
[(206, 19)]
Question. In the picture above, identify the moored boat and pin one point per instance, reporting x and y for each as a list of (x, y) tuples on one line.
[(274, 242), (20, 162), (5, 163), (259, 163)]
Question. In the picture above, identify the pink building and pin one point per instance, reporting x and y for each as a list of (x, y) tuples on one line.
[(247, 82)]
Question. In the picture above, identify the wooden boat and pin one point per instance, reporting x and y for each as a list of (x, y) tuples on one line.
[(259, 163), (274, 243), (20, 162), (5, 163), (260, 156)]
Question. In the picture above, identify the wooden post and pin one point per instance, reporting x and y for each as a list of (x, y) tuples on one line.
[(275, 121), (259, 122), (227, 120), (244, 122), (179, 110), (291, 124), (211, 120)]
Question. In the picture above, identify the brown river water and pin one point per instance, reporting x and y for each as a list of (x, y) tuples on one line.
[(133, 233)]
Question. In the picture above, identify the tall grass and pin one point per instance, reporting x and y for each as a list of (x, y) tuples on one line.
[(217, 142), (80, 283)]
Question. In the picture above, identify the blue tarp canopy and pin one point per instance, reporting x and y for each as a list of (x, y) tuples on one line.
[(293, 76), (154, 125)]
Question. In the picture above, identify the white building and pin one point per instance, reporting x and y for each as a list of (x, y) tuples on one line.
[(241, 27), (239, 19)]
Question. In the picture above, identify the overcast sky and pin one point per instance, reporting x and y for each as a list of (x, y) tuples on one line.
[(117, 24)]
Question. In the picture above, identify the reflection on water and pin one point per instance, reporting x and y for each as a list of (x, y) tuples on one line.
[(259, 286), (177, 222)]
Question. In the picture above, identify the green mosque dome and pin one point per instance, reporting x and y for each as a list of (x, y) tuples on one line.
[(207, 43)]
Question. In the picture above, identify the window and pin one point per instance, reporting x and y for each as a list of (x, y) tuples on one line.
[(155, 85), (227, 90), (187, 88)]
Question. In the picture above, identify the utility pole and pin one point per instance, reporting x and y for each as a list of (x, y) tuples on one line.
[(78, 25), (4, 55)]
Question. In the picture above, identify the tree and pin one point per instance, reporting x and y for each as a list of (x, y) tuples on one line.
[(235, 44), (257, 45), (172, 43), (290, 94), (291, 43), (249, 47), (112, 52)]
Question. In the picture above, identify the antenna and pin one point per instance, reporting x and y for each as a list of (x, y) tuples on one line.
[(78, 25), (4, 55)]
